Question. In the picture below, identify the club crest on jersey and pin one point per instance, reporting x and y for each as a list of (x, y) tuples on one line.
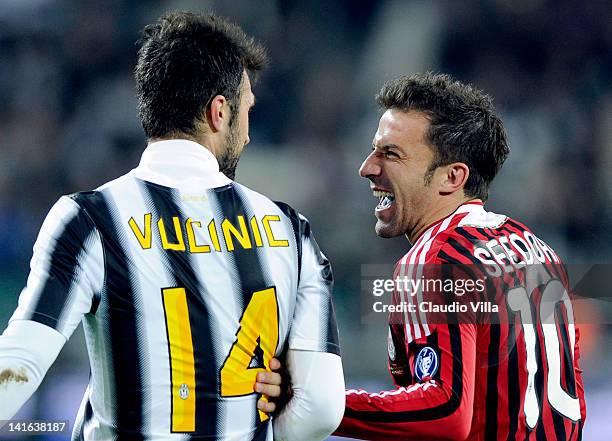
[(184, 391), (390, 347), (426, 363)]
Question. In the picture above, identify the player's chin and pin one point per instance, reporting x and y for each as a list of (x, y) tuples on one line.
[(386, 230), (386, 224)]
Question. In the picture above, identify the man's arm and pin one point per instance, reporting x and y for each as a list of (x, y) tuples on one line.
[(27, 350), (439, 407), (317, 405), (313, 354), (437, 369), (66, 272)]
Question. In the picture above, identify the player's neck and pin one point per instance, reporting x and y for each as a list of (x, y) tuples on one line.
[(202, 138), (436, 213)]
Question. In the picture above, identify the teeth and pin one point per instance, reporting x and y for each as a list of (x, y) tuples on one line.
[(386, 200), (381, 194)]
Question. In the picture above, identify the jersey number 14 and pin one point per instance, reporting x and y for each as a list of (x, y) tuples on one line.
[(258, 329)]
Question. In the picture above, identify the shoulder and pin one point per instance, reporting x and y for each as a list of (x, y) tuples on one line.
[(456, 245), (262, 202), (99, 205), (67, 224), (80, 208), (457, 242), (89, 203), (87, 199), (299, 223), (491, 236)]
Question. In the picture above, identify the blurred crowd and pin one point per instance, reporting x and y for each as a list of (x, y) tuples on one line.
[(68, 119)]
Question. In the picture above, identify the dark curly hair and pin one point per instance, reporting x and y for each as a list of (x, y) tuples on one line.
[(463, 125), (184, 61)]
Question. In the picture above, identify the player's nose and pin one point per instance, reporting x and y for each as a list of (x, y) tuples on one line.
[(370, 167)]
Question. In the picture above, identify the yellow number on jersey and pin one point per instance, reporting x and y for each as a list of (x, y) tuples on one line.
[(181, 359), (258, 327)]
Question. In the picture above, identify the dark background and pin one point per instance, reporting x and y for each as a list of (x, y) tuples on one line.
[(68, 122)]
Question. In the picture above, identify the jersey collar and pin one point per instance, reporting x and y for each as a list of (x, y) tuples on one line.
[(466, 207), (180, 163)]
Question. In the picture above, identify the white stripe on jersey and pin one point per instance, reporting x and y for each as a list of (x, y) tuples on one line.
[(127, 196), (408, 270), (412, 266), (54, 225), (89, 277), (419, 274), (399, 391), (87, 270)]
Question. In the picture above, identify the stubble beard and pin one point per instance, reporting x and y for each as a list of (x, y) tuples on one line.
[(398, 226), (386, 231), (230, 155)]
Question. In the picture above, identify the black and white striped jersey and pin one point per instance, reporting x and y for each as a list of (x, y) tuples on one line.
[(187, 284)]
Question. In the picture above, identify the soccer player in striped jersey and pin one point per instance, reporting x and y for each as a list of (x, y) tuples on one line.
[(438, 146), (187, 283)]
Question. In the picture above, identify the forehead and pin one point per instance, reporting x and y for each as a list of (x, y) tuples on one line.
[(404, 129)]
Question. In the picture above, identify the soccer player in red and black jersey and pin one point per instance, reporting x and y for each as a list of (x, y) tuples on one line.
[(438, 146)]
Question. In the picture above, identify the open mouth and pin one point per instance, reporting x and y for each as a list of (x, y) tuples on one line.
[(386, 199)]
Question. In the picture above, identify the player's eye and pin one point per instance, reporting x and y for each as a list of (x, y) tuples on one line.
[(391, 154)]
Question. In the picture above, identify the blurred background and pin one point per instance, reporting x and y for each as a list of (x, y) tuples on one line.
[(68, 122)]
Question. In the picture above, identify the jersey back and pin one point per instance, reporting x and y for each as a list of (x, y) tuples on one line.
[(517, 336), (185, 297)]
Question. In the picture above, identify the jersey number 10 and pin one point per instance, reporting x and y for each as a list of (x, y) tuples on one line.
[(519, 301)]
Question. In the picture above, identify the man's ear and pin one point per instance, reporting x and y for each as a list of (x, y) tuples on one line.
[(454, 176), (218, 113)]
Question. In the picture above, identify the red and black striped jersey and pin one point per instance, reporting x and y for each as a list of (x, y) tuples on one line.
[(506, 371)]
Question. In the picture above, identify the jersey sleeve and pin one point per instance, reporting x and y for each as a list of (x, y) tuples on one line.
[(439, 403), (27, 350), (579, 380), (66, 270), (435, 398), (317, 403), (314, 326)]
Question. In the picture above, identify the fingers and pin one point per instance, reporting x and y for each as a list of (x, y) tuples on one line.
[(268, 390), (265, 406), (275, 364), (268, 384), (273, 378)]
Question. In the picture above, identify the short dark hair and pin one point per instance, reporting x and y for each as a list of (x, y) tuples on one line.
[(463, 124), (184, 61)]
